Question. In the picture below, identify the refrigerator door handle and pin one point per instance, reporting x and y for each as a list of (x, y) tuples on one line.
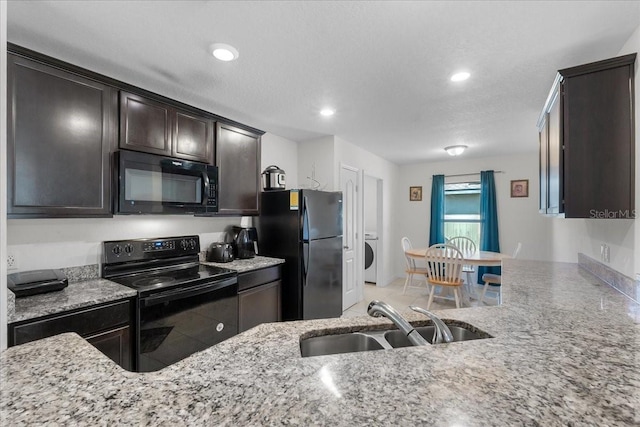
[(305, 263), (305, 241)]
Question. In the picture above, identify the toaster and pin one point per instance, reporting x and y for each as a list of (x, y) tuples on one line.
[(220, 252)]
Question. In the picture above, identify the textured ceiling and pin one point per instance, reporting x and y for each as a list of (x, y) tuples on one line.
[(384, 66)]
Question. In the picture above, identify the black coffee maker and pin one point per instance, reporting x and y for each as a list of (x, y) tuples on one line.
[(244, 241)]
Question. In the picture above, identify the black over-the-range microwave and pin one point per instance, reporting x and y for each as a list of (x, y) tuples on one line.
[(151, 184)]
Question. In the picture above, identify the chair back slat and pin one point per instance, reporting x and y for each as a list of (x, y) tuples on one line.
[(444, 263), (465, 244)]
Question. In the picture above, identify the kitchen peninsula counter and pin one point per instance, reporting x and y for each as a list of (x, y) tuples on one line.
[(565, 351)]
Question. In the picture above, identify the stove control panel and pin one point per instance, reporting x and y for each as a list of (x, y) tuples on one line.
[(148, 249), (159, 245)]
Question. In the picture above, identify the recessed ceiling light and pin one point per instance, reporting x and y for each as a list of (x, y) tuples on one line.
[(327, 112), (224, 52), (458, 77), (455, 150)]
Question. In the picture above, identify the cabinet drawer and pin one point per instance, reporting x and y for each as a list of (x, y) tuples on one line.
[(84, 323), (254, 278)]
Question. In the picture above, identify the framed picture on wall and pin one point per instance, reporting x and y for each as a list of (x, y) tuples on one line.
[(415, 194), (520, 188)]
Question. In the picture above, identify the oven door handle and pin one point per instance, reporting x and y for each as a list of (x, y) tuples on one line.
[(186, 293)]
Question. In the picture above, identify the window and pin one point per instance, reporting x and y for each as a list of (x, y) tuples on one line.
[(462, 210)]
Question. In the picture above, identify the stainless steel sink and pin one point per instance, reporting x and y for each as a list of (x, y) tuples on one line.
[(397, 339), (378, 340), (342, 343)]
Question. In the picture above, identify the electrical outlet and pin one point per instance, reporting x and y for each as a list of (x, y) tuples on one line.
[(607, 254), (12, 262)]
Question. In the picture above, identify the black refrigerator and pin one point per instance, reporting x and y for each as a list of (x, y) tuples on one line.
[(304, 227)]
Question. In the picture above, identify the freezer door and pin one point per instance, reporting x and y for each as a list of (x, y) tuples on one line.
[(322, 278), (321, 214)]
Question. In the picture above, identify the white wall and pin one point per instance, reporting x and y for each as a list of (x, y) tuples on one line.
[(56, 243), (388, 172), (316, 157), (518, 218), (282, 153), (622, 235), (370, 203)]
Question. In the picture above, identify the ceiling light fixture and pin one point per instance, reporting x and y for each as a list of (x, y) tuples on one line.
[(455, 150), (224, 52), (327, 112), (458, 77)]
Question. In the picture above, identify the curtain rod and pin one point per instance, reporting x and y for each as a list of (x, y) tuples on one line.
[(469, 174)]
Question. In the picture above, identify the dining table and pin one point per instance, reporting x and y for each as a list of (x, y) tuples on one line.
[(484, 258), (478, 258)]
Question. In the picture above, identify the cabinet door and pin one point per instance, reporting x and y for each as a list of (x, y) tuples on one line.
[(193, 138), (115, 344), (60, 131), (555, 177), (145, 124), (238, 160), (259, 305), (599, 139)]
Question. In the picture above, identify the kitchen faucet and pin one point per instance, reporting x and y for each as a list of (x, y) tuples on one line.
[(442, 333), (378, 308)]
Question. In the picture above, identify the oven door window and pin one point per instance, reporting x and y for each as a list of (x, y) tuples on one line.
[(155, 185), (172, 330)]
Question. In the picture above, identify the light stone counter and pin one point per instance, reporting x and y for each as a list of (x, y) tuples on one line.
[(244, 265), (85, 289), (566, 352)]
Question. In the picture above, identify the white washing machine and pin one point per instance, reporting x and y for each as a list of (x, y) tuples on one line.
[(370, 257)]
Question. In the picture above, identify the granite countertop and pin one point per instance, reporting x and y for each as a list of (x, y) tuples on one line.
[(244, 265), (85, 289), (565, 351)]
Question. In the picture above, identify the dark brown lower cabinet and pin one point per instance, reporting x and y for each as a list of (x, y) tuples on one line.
[(108, 327), (115, 344), (259, 297)]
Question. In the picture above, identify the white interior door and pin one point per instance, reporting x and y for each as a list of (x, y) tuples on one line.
[(351, 242)]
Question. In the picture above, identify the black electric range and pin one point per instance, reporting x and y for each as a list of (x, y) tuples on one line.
[(182, 306)]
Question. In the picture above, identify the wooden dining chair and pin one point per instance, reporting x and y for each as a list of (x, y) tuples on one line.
[(444, 266), (493, 282), (466, 246), (411, 269)]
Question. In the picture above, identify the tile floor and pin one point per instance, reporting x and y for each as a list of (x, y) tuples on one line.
[(392, 294)]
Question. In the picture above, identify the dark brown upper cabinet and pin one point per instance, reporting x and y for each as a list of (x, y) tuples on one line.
[(238, 161), (155, 127), (61, 128), (587, 141)]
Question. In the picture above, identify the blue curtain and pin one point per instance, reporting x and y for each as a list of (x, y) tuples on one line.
[(489, 238), (436, 231)]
